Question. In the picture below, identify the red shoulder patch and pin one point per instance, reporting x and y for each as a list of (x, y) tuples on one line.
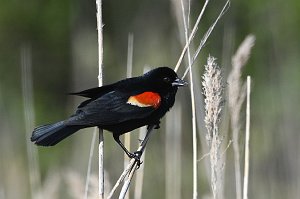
[(145, 99)]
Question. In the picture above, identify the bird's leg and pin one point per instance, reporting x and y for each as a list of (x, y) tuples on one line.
[(156, 126), (136, 155)]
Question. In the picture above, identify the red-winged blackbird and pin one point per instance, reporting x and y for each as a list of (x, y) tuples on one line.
[(120, 107)]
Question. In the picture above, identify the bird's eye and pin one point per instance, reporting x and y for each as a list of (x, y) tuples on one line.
[(168, 80)]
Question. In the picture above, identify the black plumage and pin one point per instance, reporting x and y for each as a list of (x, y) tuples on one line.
[(112, 107)]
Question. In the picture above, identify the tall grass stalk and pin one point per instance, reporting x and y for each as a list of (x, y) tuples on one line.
[(193, 32), (247, 140), (134, 164), (194, 129), (129, 74), (100, 82), (131, 168), (236, 97), (190, 63), (213, 91), (206, 36), (29, 116)]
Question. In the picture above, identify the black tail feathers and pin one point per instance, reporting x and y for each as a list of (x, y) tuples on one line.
[(51, 134)]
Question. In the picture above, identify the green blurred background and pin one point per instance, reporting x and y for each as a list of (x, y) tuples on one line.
[(60, 39)]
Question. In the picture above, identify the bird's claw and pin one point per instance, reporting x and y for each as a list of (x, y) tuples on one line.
[(137, 156)]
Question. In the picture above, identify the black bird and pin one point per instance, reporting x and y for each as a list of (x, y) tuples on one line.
[(120, 107)]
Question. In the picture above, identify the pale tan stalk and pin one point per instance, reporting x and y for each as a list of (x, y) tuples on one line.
[(129, 74), (206, 36), (101, 139), (100, 82), (194, 130), (247, 140), (195, 28), (131, 168)]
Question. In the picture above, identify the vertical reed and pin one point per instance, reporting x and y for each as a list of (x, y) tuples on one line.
[(127, 136), (247, 140), (100, 82)]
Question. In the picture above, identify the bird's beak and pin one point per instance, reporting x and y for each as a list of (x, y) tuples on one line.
[(179, 82)]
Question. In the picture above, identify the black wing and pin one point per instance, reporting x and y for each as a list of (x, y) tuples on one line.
[(110, 109), (95, 92)]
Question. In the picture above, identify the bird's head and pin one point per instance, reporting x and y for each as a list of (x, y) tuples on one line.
[(164, 79)]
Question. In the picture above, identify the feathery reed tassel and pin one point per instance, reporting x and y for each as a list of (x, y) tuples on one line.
[(213, 90)]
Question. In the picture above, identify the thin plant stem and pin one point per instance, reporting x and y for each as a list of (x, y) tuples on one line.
[(131, 167), (195, 28), (135, 165), (247, 140), (121, 179), (196, 81), (194, 129), (206, 36), (129, 74), (100, 82)]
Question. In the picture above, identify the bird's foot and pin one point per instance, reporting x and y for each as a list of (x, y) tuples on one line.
[(137, 156)]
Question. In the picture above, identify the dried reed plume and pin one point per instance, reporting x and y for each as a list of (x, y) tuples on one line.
[(213, 90), (236, 97)]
